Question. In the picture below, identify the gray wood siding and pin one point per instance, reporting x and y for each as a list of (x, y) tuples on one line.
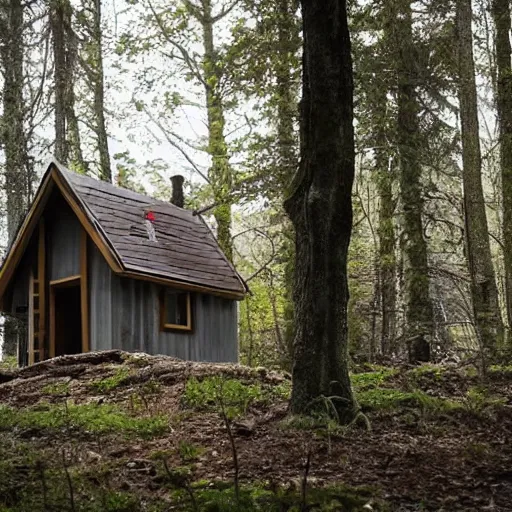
[(64, 245), (124, 313), (20, 286)]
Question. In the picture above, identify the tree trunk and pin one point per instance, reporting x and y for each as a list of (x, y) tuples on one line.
[(419, 310), (57, 24), (320, 207), (99, 94), (68, 147), (386, 230), (220, 170), (17, 178), (483, 285), (287, 156), (501, 13), (73, 139)]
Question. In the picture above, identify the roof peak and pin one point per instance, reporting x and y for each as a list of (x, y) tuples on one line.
[(93, 181)]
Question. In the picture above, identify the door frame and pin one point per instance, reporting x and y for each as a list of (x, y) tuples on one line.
[(66, 282)]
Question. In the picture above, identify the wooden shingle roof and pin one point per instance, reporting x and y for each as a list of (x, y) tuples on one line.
[(185, 251)]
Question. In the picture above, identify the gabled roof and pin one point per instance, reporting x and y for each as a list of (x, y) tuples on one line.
[(185, 253)]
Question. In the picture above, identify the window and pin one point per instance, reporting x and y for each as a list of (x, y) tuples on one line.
[(176, 311)]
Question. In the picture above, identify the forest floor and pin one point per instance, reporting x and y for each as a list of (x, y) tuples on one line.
[(123, 432)]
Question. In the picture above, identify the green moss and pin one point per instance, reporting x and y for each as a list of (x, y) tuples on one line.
[(426, 371), (108, 384), (386, 399), (372, 379), (498, 370), (93, 418)]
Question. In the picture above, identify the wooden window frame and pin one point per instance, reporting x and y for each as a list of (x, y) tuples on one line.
[(163, 309)]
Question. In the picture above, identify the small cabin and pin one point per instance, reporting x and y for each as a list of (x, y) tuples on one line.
[(96, 267)]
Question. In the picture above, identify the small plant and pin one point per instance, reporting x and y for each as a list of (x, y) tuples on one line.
[(120, 502), (113, 382), (478, 402), (189, 452), (151, 387), (236, 396), (8, 363)]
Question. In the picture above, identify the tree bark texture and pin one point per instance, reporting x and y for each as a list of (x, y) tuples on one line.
[(419, 309), (17, 173), (220, 171), (501, 13), (320, 207), (483, 284)]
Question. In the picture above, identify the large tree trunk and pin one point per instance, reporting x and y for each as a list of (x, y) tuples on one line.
[(419, 310), (501, 12), (320, 206), (220, 170), (17, 179), (483, 285)]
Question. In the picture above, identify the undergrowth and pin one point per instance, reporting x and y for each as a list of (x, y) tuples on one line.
[(8, 363), (236, 395)]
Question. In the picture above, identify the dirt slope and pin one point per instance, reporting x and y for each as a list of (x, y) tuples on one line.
[(128, 432)]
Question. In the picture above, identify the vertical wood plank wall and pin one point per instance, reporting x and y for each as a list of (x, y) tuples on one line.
[(125, 314), (64, 245)]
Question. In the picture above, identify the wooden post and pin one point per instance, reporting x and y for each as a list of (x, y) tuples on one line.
[(31, 327), (84, 295)]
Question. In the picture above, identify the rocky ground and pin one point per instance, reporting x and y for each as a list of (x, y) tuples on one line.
[(123, 432)]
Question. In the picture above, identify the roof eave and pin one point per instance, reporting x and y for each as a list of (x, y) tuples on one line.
[(183, 285)]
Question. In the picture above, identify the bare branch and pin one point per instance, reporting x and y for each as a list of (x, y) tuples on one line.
[(192, 65), (168, 137), (270, 260), (225, 11)]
